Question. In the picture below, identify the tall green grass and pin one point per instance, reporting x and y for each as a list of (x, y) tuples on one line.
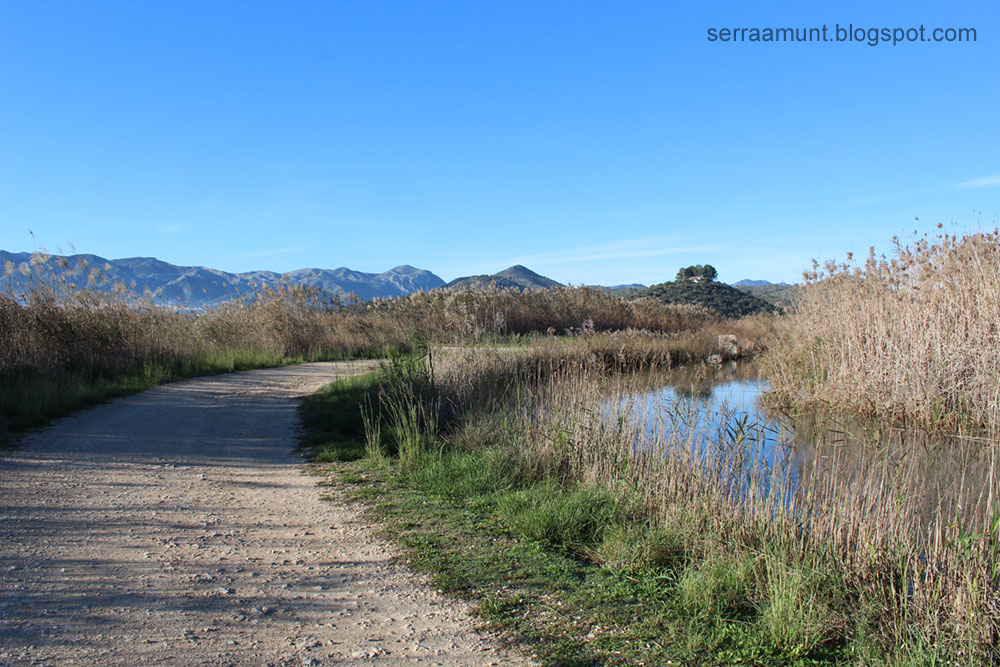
[(868, 554)]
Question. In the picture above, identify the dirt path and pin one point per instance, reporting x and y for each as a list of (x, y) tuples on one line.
[(174, 527)]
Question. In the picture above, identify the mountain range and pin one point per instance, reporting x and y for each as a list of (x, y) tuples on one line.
[(757, 283), (198, 287)]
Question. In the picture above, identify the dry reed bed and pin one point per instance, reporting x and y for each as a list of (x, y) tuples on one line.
[(498, 312), (874, 542), (59, 341), (106, 329), (59, 351), (915, 337), (99, 334)]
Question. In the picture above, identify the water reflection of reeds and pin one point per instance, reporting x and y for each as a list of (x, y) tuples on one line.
[(718, 413), (900, 529), (913, 514)]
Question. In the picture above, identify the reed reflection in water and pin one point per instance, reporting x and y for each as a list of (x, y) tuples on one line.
[(910, 484)]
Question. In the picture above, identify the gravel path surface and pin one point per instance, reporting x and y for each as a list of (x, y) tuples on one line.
[(175, 527)]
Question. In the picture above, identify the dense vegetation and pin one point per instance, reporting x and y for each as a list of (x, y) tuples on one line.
[(719, 298), (705, 272), (599, 541), (62, 346), (602, 542), (911, 338), (782, 296)]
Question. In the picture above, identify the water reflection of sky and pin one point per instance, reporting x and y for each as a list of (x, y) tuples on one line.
[(721, 420), (727, 411), (718, 417)]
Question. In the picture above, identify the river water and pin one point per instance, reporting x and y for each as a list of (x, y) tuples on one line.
[(718, 413)]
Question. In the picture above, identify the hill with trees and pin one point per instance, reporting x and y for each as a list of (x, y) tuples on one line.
[(778, 294), (695, 285)]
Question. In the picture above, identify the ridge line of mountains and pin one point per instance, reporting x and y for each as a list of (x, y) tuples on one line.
[(198, 287)]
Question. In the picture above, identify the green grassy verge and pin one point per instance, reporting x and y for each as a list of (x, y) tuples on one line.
[(577, 574), (335, 431)]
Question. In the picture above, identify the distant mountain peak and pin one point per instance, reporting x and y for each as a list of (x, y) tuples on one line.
[(746, 282), (520, 270), (201, 287), (779, 294), (517, 276), (407, 269)]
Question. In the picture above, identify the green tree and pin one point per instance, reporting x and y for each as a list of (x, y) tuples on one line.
[(704, 272)]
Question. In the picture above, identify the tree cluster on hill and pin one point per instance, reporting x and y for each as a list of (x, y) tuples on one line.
[(697, 273)]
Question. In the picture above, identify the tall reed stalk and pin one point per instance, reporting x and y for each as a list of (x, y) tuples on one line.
[(893, 549), (914, 337)]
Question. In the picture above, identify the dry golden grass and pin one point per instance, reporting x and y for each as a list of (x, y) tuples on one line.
[(95, 334), (914, 337), (58, 341), (502, 312), (866, 541)]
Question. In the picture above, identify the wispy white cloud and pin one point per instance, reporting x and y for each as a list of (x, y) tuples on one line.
[(276, 251), (865, 201), (627, 249), (615, 261), (172, 229), (992, 180)]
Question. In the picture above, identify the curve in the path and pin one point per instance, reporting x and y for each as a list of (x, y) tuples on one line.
[(174, 527)]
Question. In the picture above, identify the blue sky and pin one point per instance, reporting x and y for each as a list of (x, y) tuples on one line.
[(595, 142)]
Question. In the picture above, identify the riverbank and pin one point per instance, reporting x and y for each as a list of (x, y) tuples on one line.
[(503, 477), (909, 339)]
